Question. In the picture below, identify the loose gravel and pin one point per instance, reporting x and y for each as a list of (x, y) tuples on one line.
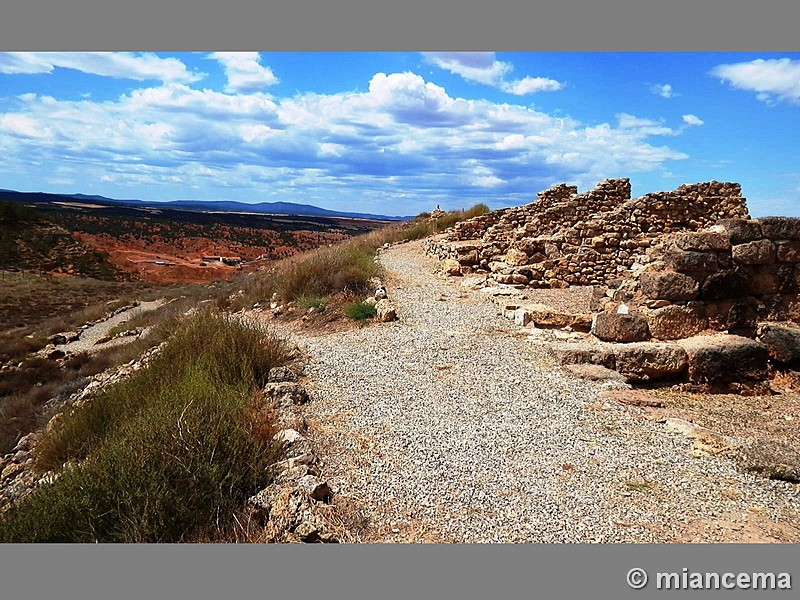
[(452, 425)]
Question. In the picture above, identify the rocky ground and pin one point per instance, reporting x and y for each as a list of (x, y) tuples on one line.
[(453, 424)]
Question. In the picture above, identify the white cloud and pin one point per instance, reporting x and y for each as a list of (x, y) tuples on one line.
[(483, 67), (772, 80), (531, 85), (122, 65), (644, 126), (664, 90), (692, 120), (244, 71), (404, 137)]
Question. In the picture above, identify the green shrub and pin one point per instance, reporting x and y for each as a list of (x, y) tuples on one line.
[(311, 302), (360, 311)]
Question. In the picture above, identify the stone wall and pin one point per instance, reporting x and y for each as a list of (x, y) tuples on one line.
[(729, 277), (595, 238)]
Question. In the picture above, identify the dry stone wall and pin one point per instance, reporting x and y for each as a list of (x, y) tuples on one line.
[(565, 238), (730, 277)]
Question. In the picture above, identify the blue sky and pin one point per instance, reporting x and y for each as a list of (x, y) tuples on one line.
[(398, 133)]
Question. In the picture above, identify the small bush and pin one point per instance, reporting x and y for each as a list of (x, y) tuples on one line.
[(360, 311), (311, 302)]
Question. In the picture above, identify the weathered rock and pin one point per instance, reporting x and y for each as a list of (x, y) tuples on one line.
[(386, 311), (56, 354), (316, 489), (512, 278), (676, 322), (546, 317), (741, 231), (450, 266), (668, 285), (583, 353), (278, 374), (593, 372), (743, 317), (702, 241), (616, 327), (788, 252), (771, 459), (771, 279), (648, 361), (780, 228), (759, 252), (725, 358), (695, 264), (729, 283), (515, 257), (285, 393), (783, 343)]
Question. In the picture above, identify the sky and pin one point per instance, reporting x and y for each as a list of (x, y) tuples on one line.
[(397, 133)]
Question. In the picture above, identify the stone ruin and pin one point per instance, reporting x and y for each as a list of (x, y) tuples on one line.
[(685, 287)]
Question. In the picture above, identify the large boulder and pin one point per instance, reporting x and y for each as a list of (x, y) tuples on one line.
[(620, 327), (386, 311), (668, 285), (695, 264), (724, 358), (702, 241), (647, 361), (771, 459), (574, 353), (783, 343), (740, 231), (780, 228), (729, 283), (676, 322), (758, 252), (449, 266)]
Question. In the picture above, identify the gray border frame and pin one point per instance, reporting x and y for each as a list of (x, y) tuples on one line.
[(676, 25), (355, 572)]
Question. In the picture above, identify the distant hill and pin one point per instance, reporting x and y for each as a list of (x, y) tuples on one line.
[(271, 208), (29, 241)]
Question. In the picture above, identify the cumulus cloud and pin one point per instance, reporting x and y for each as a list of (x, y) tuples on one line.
[(664, 90), (692, 120), (139, 66), (483, 67), (773, 80), (404, 138), (244, 71)]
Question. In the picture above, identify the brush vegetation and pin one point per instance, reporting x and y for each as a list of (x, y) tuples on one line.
[(340, 275), (168, 455)]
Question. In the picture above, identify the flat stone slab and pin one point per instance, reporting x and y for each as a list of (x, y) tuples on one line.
[(650, 361), (782, 341), (724, 358)]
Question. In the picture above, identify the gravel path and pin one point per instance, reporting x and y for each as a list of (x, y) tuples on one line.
[(90, 336), (453, 425)]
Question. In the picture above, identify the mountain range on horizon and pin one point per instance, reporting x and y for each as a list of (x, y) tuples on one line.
[(274, 208)]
